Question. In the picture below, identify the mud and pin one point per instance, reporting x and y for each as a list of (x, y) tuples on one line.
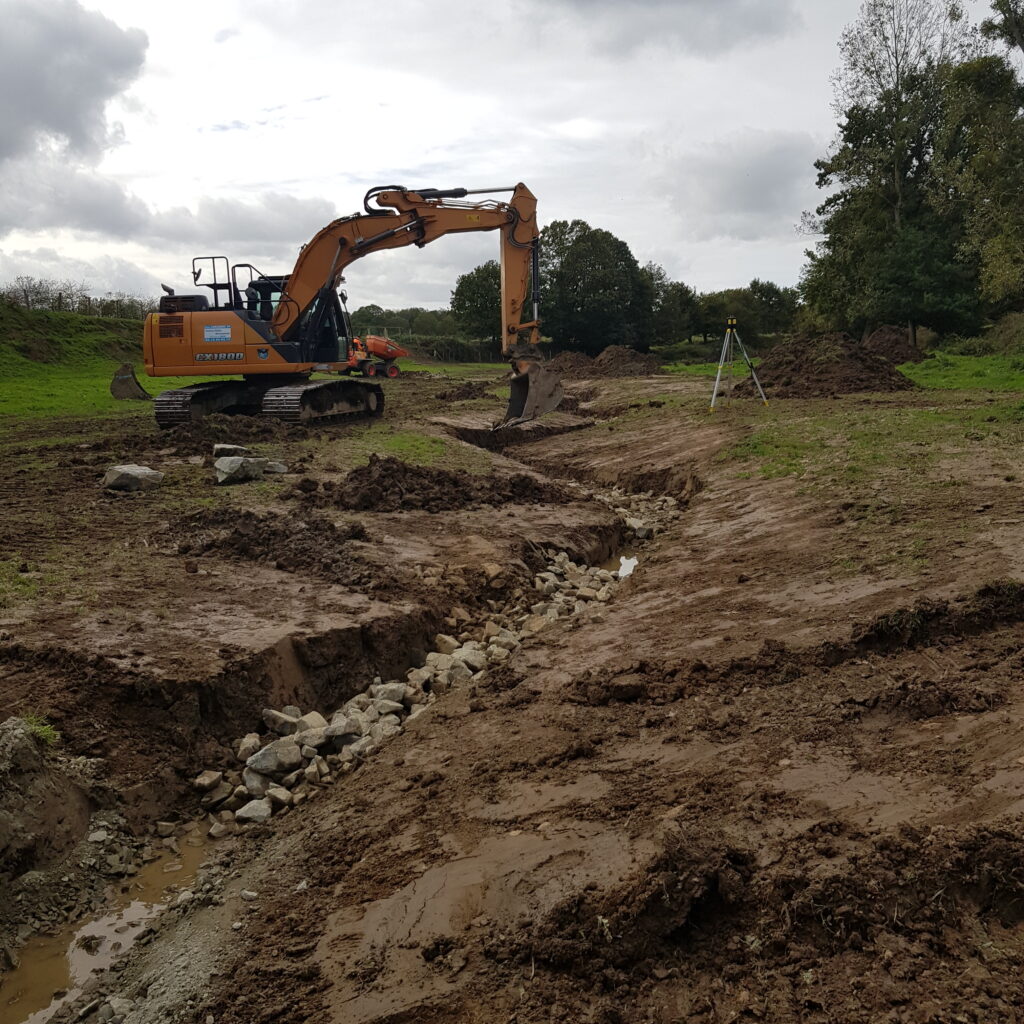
[(754, 784), (829, 364), (467, 390), (894, 344), (390, 485), (613, 361)]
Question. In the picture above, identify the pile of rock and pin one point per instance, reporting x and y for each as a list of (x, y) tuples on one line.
[(301, 753), (645, 514)]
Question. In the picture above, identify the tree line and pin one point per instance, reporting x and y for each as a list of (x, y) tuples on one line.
[(595, 293), (50, 294), (922, 222)]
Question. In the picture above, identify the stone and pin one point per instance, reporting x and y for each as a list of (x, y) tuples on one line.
[(130, 477), (604, 594), (445, 644), (312, 720), (539, 608), (282, 755), (322, 767), (342, 725), (278, 796), (291, 711), (472, 658), (165, 829), (220, 450), (414, 695), (292, 778), (254, 811), (419, 676), (533, 624), (384, 730), (389, 707), (459, 672), (311, 773), (312, 737), (390, 691), (586, 594), (206, 781), (275, 468), (498, 655), (101, 835), (644, 533), (249, 896), (216, 796), (255, 783), (308, 753), (184, 897), (280, 722), (363, 747), (360, 702), (218, 830), (439, 662), (237, 469), (248, 746)]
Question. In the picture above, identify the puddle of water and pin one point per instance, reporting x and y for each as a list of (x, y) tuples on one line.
[(622, 564), (54, 968)]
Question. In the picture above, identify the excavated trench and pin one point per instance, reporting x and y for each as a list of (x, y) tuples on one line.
[(172, 728)]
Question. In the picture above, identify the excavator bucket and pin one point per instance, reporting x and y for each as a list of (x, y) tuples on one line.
[(535, 391), (126, 385)]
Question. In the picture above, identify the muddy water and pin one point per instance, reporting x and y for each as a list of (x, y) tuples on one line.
[(53, 969), (622, 564)]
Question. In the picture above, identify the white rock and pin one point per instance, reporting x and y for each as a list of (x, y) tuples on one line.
[(248, 746), (312, 720), (275, 467), (470, 657), (389, 691), (282, 755), (255, 783), (130, 477), (278, 796), (280, 722), (237, 469), (229, 449), (445, 644), (254, 811)]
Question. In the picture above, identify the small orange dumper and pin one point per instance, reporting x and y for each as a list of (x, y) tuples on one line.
[(374, 356)]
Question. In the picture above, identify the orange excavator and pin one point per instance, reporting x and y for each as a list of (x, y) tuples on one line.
[(277, 331)]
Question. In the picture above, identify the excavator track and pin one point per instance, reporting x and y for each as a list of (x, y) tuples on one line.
[(188, 404), (319, 400), (306, 402)]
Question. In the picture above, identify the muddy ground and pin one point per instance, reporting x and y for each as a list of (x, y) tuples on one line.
[(779, 778)]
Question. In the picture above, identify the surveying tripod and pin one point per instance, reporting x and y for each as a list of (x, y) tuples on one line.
[(730, 343)]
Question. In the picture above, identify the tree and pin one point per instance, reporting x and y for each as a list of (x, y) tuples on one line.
[(476, 301), (676, 314), (1007, 23), (980, 153), (890, 89), (594, 293)]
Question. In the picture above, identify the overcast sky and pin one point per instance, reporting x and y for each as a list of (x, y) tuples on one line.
[(143, 134)]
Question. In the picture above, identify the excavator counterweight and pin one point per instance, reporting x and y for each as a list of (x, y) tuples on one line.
[(277, 331)]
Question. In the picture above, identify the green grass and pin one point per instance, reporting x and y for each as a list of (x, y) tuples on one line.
[(41, 728), (14, 586), (739, 369), (961, 373)]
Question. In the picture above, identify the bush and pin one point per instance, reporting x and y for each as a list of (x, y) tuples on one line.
[(41, 728)]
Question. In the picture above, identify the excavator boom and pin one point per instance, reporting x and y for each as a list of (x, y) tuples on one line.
[(286, 328)]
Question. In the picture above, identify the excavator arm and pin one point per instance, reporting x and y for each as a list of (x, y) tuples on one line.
[(402, 217)]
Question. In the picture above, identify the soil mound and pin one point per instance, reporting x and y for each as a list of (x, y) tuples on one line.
[(313, 546), (894, 344), (614, 361), (466, 390), (829, 364), (390, 485)]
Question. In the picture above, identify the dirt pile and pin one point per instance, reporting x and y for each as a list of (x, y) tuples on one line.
[(466, 390), (614, 361), (42, 812), (894, 344), (389, 485), (828, 364), (313, 545)]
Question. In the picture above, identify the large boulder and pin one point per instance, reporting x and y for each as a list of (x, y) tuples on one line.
[(237, 469), (282, 755), (130, 477)]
